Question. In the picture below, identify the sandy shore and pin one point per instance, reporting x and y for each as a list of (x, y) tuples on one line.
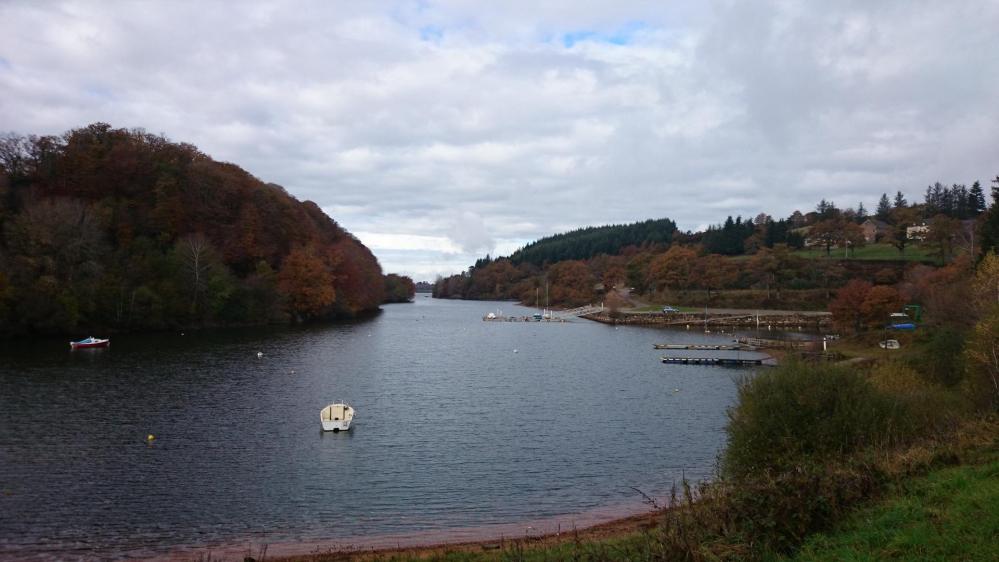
[(608, 529), (595, 524)]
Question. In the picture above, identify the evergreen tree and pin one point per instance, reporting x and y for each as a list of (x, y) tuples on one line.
[(861, 212), (900, 200), (884, 207), (959, 201), (990, 226), (827, 210), (976, 199)]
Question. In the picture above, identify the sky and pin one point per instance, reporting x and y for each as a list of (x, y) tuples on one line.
[(440, 131)]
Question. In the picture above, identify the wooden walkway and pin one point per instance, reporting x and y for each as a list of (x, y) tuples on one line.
[(710, 361), (705, 346), (779, 344)]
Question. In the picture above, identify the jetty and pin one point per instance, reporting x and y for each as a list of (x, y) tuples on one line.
[(548, 315), (779, 344), (712, 361), (705, 346)]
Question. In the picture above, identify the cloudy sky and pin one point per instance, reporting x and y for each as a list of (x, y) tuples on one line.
[(438, 131)]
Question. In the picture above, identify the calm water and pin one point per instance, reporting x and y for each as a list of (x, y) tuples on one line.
[(455, 430)]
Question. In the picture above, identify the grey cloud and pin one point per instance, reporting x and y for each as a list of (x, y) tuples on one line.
[(492, 132)]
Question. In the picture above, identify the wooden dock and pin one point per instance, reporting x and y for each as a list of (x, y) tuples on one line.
[(710, 361), (779, 344), (705, 346)]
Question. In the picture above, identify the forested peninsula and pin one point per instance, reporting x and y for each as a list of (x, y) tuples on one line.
[(108, 229)]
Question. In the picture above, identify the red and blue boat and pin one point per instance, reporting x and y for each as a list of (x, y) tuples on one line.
[(89, 343)]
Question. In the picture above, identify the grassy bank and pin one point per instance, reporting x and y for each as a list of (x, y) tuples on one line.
[(949, 514), (878, 252)]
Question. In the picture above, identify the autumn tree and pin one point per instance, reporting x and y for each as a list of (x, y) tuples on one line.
[(848, 307), (713, 272), (571, 283), (982, 355), (672, 269), (879, 303), (837, 231), (986, 283), (773, 267), (901, 219), (306, 282), (944, 292), (399, 288), (942, 233)]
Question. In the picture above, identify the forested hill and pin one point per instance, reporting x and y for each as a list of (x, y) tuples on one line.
[(114, 229), (589, 242)]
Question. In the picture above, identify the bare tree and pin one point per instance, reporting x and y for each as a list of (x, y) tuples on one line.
[(195, 253)]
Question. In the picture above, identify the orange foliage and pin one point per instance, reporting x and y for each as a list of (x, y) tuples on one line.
[(673, 270), (307, 283), (847, 307), (571, 283)]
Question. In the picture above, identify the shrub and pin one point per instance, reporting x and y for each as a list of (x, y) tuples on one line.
[(941, 360), (982, 353), (799, 413), (929, 406)]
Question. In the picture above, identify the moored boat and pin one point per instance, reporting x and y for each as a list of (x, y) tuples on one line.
[(89, 342), (337, 417)]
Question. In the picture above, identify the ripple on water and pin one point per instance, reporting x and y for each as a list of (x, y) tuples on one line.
[(456, 436)]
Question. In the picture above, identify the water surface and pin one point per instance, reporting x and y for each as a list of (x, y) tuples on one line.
[(460, 424)]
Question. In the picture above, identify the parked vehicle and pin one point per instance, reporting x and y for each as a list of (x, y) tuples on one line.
[(670, 310)]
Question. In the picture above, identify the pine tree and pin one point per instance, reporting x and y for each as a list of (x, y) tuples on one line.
[(990, 226), (861, 212), (960, 201), (900, 200), (976, 199), (884, 207)]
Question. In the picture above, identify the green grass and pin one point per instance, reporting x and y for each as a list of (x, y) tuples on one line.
[(950, 514), (871, 252)]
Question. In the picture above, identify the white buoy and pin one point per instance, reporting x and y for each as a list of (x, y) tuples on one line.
[(515, 351), (676, 390), (260, 354)]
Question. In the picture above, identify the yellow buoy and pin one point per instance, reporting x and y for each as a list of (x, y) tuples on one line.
[(150, 437)]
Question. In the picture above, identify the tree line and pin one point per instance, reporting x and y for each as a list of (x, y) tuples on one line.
[(656, 262), (109, 229)]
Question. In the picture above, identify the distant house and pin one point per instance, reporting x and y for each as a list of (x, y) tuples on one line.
[(874, 229), (809, 241), (917, 232)]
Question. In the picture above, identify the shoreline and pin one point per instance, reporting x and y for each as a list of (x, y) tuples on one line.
[(598, 523)]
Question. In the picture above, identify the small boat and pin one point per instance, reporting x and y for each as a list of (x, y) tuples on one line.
[(890, 344), (337, 417), (89, 342)]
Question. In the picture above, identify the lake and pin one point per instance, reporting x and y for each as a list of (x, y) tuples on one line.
[(464, 429)]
